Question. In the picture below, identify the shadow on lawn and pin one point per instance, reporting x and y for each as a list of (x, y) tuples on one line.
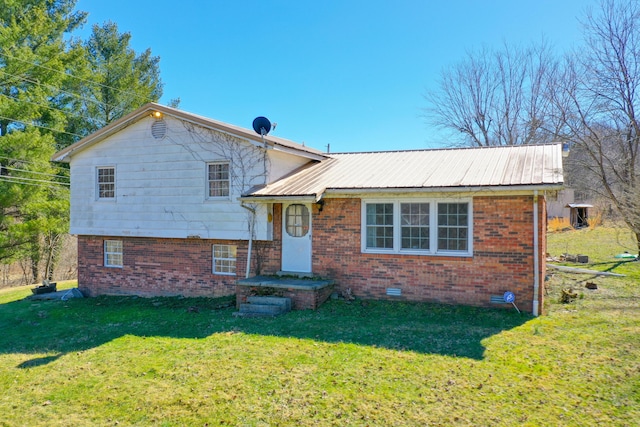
[(69, 326), (612, 265)]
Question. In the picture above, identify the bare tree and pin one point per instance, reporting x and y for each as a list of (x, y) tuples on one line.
[(249, 166), (597, 95), (497, 97)]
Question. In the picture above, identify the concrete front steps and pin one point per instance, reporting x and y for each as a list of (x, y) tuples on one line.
[(264, 307), (305, 293)]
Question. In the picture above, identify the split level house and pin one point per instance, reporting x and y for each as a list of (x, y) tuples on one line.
[(165, 202)]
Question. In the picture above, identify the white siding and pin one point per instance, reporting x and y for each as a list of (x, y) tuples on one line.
[(283, 163), (558, 208), (161, 184)]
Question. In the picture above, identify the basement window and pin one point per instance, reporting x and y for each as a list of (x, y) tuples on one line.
[(224, 259), (113, 253)]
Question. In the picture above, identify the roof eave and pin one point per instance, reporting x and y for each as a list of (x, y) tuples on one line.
[(123, 122), (461, 189), (305, 198), (350, 192), (102, 133)]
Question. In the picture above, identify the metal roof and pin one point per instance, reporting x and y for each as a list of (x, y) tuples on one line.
[(531, 166)]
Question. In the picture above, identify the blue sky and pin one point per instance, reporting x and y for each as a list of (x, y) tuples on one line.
[(351, 74)]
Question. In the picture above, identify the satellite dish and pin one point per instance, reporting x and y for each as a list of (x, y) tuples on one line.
[(261, 125)]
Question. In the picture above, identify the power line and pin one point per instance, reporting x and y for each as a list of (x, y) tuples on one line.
[(39, 126), (34, 172), (76, 77), (75, 95), (51, 164), (19, 180), (101, 122)]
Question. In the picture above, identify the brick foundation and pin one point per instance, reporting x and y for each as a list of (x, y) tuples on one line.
[(502, 256), (502, 260), (301, 299), (155, 267)]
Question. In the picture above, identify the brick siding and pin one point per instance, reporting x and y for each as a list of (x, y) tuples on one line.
[(155, 267), (502, 259), (301, 299), (502, 256)]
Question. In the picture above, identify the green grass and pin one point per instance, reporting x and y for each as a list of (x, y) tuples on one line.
[(174, 362)]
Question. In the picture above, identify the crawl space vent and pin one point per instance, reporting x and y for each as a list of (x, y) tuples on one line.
[(394, 292), (159, 129)]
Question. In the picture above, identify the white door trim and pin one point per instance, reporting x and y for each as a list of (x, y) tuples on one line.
[(297, 238)]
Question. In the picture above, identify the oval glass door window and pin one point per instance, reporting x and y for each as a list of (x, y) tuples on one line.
[(297, 220)]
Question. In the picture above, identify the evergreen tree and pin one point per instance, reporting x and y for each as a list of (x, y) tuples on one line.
[(55, 89), (35, 62), (122, 80)]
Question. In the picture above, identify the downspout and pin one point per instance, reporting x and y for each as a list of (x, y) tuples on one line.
[(251, 225), (536, 254)]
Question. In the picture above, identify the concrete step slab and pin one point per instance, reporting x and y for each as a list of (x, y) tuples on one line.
[(261, 308), (285, 303)]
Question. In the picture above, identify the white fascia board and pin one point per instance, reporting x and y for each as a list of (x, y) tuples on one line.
[(300, 153), (488, 190), (279, 199)]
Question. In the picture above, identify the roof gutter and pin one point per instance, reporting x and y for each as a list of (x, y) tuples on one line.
[(279, 199), (474, 189), (353, 192)]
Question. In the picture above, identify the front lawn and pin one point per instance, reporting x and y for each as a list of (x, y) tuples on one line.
[(174, 362)]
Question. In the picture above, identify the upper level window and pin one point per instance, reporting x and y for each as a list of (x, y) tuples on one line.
[(417, 226), (106, 182), (218, 179)]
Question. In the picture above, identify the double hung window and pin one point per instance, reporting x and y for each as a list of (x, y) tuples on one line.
[(453, 226), (218, 179), (417, 226), (414, 226), (224, 259), (113, 253), (106, 182), (380, 225)]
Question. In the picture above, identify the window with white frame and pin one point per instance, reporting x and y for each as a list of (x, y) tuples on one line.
[(218, 179), (417, 226), (106, 182), (380, 225), (113, 253), (297, 220), (224, 259), (453, 226), (414, 226)]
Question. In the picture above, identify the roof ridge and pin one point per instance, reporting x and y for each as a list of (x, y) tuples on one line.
[(448, 149), (182, 115)]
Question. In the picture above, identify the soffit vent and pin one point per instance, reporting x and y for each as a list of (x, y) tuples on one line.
[(159, 129)]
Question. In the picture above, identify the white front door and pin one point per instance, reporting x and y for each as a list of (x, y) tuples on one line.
[(296, 237)]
